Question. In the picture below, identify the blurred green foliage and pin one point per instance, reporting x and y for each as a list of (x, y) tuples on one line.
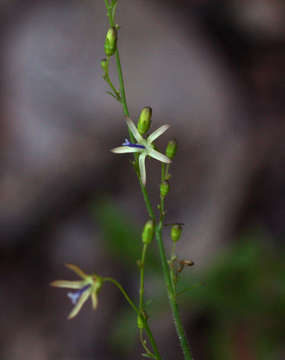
[(119, 234), (244, 297), (121, 237), (241, 294)]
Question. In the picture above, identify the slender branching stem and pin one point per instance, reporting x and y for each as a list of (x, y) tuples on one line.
[(158, 229), (134, 307), (168, 276)]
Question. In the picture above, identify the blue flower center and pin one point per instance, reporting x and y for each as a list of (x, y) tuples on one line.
[(128, 143), (75, 296)]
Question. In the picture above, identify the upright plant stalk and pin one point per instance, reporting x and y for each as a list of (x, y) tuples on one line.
[(158, 226), (125, 106), (171, 289)]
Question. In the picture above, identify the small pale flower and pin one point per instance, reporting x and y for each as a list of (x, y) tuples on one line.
[(142, 146), (87, 287)]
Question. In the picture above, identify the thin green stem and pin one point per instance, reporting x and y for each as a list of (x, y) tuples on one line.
[(123, 291), (173, 258), (167, 170), (147, 201), (141, 291), (171, 294), (118, 63), (168, 278), (109, 12), (133, 306), (116, 93), (143, 342), (122, 85)]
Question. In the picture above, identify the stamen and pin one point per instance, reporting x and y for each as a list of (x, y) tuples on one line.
[(128, 143), (74, 296)]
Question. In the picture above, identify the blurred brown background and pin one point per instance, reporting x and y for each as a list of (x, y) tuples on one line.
[(214, 70)]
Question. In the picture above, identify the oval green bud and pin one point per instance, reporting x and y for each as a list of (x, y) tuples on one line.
[(110, 45), (144, 121), (171, 149), (140, 322), (176, 231), (104, 65), (164, 188), (148, 232)]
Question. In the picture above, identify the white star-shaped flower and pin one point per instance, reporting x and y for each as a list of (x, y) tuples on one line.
[(143, 146)]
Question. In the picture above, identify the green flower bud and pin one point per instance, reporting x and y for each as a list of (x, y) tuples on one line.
[(164, 188), (171, 149), (176, 231), (104, 65), (140, 322), (110, 45), (144, 120), (148, 232)]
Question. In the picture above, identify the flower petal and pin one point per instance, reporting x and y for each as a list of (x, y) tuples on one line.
[(94, 300), (159, 156), (79, 304), (126, 149), (77, 270), (67, 284), (142, 168), (134, 130), (157, 133)]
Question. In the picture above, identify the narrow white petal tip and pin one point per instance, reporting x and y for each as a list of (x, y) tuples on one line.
[(158, 132), (165, 160), (159, 156), (134, 130), (124, 150), (115, 150)]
